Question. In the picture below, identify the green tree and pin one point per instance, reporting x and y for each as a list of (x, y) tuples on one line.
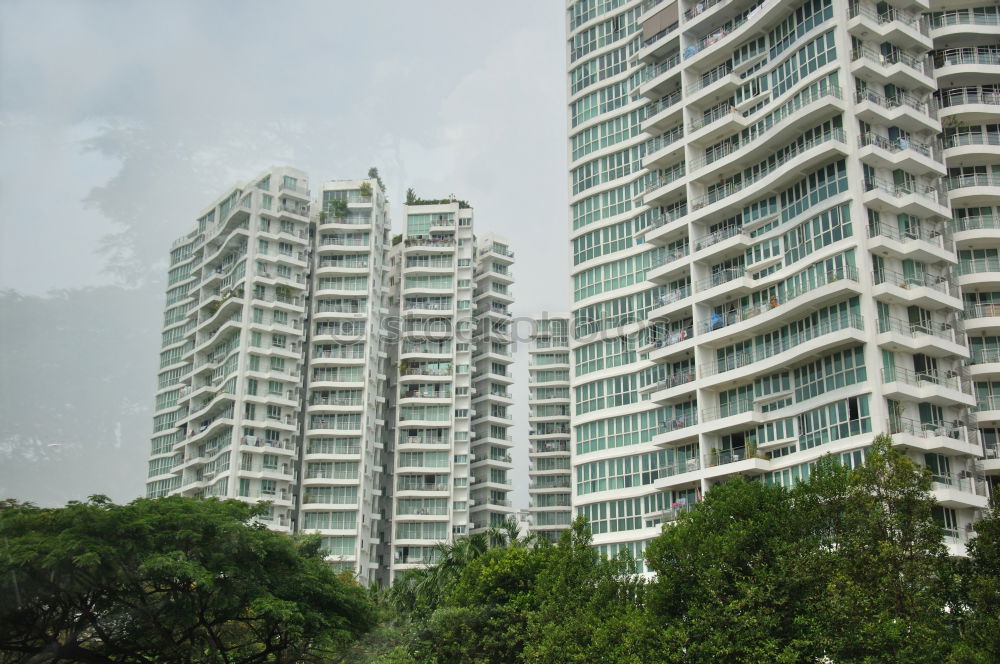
[(172, 579), (726, 588), (848, 566), (978, 602), (884, 571)]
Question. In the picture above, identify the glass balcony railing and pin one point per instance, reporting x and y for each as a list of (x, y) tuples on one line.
[(765, 351), (977, 138), (966, 56), (945, 379), (963, 17), (983, 310), (978, 266), (970, 95), (895, 101), (938, 330), (974, 180)]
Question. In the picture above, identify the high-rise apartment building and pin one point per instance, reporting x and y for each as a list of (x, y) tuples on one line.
[(226, 419), (492, 377), (764, 264), (358, 386), (966, 61), (451, 444), (342, 490), (549, 426), (432, 265)]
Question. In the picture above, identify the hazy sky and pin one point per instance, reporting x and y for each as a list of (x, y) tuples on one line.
[(119, 121)]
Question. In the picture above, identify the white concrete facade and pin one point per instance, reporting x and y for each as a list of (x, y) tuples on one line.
[(272, 367), (450, 294), (764, 269), (550, 484)]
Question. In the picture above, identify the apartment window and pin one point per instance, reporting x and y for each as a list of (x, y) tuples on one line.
[(252, 386), (278, 340), (263, 247), (274, 412)]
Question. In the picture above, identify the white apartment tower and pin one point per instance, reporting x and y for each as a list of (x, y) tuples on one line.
[(264, 300), (549, 426), (764, 265), (491, 462), (432, 266), (967, 65), (342, 493), (226, 421), (451, 397)]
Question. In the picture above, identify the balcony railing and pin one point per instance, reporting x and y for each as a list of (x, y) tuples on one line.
[(713, 116), (975, 180), (663, 103), (723, 457), (671, 338), (423, 371), (946, 379), (717, 236), (964, 482), (701, 8), (970, 95), (674, 380), (679, 422), (709, 77), (718, 321), (986, 310), (978, 138), (651, 72), (733, 185), (926, 429), (667, 217), (728, 409), (894, 144), (966, 56), (425, 440), (888, 16), (686, 466), (977, 265), (939, 330), (843, 322), (988, 402), (963, 17), (895, 101), (921, 66), (982, 355), (674, 295), (663, 140), (906, 281), (906, 189), (914, 232), (428, 242), (430, 306)]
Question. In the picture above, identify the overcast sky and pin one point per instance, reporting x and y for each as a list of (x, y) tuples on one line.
[(119, 121)]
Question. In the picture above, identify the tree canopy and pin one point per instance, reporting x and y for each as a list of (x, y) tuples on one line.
[(171, 579), (848, 567)]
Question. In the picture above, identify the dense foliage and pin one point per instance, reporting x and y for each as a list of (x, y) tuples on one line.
[(168, 580), (847, 568)]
